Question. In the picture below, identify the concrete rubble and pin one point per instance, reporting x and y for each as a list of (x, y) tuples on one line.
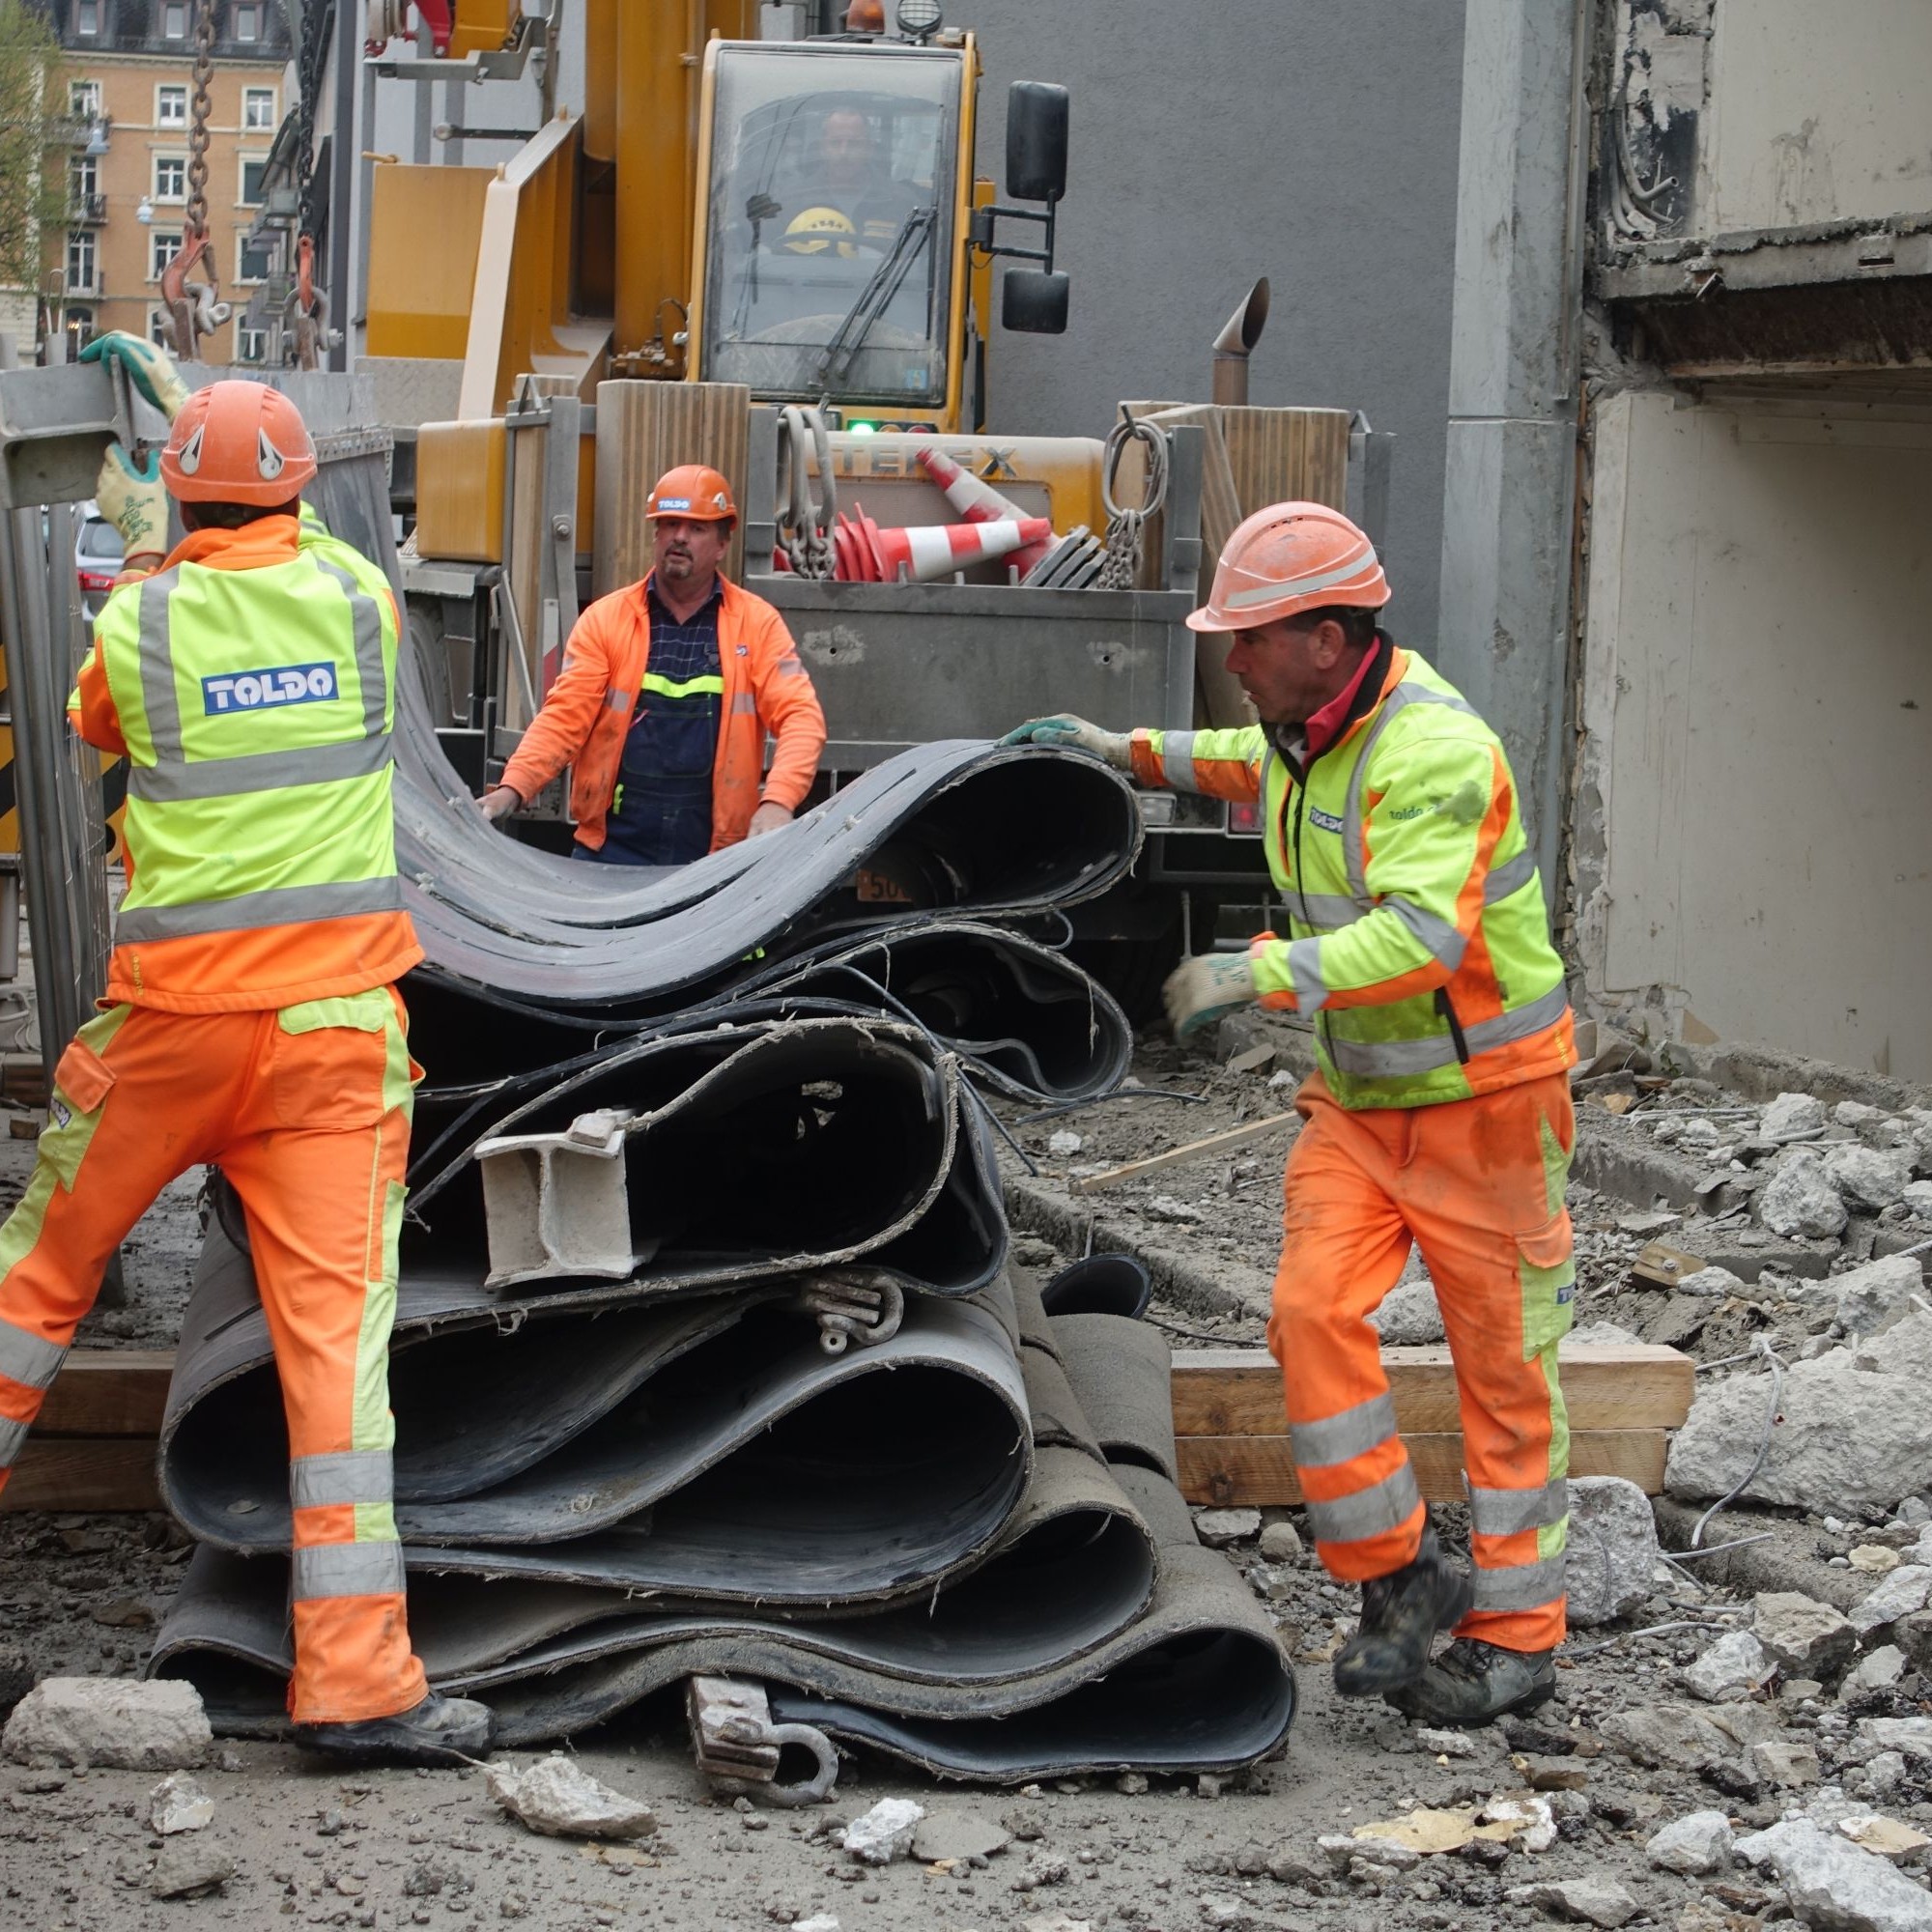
[(557, 1798), (1613, 1549), (885, 1832), (190, 1867), (178, 1804), (1735, 1667), (112, 1721), (1698, 1845), (1835, 1886), (1595, 1901)]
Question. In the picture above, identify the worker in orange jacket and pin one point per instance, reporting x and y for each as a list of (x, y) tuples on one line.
[(251, 1020), (667, 691), (1440, 1118)]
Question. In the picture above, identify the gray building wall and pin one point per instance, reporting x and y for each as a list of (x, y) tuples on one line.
[(1216, 140)]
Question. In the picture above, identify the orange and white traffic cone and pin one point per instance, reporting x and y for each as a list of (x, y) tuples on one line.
[(925, 552), (978, 502), (854, 560)]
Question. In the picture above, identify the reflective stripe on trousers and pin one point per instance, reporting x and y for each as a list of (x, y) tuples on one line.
[(1337, 1458), (1497, 1517)]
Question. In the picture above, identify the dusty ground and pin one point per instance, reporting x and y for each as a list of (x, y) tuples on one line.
[(79, 1595)]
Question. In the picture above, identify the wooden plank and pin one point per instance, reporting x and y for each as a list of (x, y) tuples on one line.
[(108, 1392), (1237, 1391), (1202, 1149), (1664, 1266), (71, 1472), (1226, 1470), (644, 429), (1287, 455)]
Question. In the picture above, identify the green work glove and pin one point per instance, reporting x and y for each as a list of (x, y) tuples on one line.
[(1066, 734), (134, 501), (1203, 989), (151, 370)]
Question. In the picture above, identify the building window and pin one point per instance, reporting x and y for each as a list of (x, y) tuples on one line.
[(83, 100), (174, 20), (80, 262), (80, 330), (87, 16), (158, 332), (258, 110), (248, 22), (83, 180), (251, 345), (170, 178), (254, 181), (161, 250), (170, 107), (254, 262)]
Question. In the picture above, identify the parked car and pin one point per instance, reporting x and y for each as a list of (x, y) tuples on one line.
[(96, 555)]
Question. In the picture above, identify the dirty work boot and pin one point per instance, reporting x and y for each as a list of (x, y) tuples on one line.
[(1473, 1682), (439, 1730), (1401, 1614)]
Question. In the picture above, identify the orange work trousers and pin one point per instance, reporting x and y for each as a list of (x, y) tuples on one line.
[(1478, 1187), (306, 1111)]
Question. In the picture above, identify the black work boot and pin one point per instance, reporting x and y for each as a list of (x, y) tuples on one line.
[(1401, 1614), (439, 1730), (1473, 1682)]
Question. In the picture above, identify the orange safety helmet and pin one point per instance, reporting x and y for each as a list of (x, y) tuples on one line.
[(695, 491), (1287, 559), (238, 442)]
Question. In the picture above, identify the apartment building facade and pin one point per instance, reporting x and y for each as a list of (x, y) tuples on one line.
[(129, 83)]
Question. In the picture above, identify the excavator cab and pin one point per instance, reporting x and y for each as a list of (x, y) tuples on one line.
[(834, 210)]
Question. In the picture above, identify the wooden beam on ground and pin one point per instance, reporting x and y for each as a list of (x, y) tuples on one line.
[(1226, 1471), (1237, 1391), (1202, 1149), (108, 1392), (88, 1473)]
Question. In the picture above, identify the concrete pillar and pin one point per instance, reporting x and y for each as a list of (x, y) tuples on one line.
[(1510, 474)]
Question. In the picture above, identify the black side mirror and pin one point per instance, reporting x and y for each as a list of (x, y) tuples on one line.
[(1035, 303), (1035, 142)]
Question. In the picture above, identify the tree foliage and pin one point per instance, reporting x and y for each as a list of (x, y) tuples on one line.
[(33, 165)]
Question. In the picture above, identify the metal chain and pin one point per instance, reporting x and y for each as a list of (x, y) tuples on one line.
[(316, 17), (203, 108), (1121, 569)]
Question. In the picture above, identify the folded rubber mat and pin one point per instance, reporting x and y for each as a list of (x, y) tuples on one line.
[(1095, 1633)]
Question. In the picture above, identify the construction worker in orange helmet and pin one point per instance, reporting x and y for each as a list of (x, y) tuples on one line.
[(667, 692), (251, 1020), (1439, 1116)]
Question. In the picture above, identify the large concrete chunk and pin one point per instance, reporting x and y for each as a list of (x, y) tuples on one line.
[(1735, 1667), (1874, 1297), (1409, 1316), (1671, 1735), (561, 1801), (1807, 1638), (1800, 1201), (1596, 1901), (1909, 1588), (1846, 1434), (1696, 1846), (1792, 1117), (112, 1722), (1867, 1180), (1613, 1552), (1835, 1886)]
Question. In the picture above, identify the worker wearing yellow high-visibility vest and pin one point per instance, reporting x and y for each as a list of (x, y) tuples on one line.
[(251, 1020), (1440, 1115)]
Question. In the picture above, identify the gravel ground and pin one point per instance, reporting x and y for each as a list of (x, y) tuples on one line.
[(79, 1594)]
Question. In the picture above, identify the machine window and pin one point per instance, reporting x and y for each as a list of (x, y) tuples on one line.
[(831, 232)]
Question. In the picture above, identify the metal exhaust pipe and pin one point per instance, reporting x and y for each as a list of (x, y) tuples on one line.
[(1234, 343)]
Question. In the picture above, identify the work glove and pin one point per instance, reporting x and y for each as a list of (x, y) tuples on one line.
[(134, 500), (1202, 990), (1066, 734), (152, 370), (499, 801)]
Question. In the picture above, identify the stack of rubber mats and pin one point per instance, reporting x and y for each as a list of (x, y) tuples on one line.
[(958, 1539)]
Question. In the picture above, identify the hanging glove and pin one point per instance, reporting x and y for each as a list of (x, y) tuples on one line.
[(1068, 733), (151, 369), (1202, 990), (134, 501)]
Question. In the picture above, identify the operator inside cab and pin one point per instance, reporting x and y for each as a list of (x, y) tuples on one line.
[(844, 197), (668, 690)]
